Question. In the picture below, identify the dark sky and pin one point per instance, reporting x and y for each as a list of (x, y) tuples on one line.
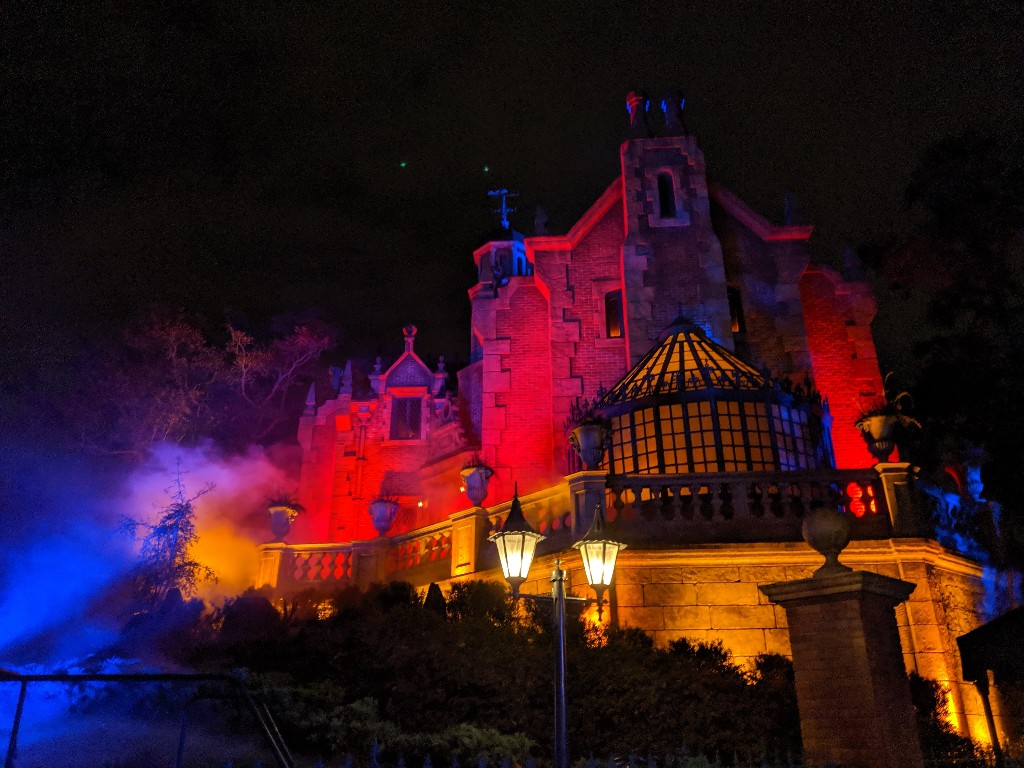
[(243, 159)]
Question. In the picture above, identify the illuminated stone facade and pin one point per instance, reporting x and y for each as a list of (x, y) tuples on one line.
[(561, 319)]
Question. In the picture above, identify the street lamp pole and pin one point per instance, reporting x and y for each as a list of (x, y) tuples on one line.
[(517, 544), (558, 614)]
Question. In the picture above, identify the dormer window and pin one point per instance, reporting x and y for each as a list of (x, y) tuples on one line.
[(613, 314), (405, 418), (666, 196)]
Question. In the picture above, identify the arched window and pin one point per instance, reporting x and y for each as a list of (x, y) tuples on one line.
[(666, 196), (613, 314)]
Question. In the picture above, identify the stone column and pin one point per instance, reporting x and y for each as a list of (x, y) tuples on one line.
[(851, 683), (900, 498), (469, 528), (586, 492), (272, 558)]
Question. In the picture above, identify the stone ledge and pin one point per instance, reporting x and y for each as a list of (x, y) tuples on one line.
[(828, 588)]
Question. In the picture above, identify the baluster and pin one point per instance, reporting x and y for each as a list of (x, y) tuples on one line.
[(692, 503), (755, 500), (649, 502), (725, 496), (797, 499), (775, 503), (666, 502), (707, 501), (675, 507)]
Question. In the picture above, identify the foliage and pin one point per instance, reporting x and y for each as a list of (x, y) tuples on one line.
[(584, 411), (476, 461), (166, 564), (963, 269), (476, 678), (167, 382), (939, 740), (891, 405)]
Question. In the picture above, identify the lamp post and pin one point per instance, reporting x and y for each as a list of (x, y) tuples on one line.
[(517, 544)]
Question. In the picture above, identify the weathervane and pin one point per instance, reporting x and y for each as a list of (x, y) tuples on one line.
[(504, 210)]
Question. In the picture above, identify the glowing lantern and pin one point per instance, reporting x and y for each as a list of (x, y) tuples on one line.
[(517, 544), (599, 554)]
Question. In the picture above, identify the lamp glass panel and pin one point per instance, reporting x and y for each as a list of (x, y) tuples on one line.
[(516, 550), (599, 561)]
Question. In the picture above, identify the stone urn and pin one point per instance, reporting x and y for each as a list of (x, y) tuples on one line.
[(382, 514), (281, 518), (827, 530), (877, 431), (588, 439), (475, 479)]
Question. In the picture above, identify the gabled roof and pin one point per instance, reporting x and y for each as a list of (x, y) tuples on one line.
[(685, 360), (755, 222)]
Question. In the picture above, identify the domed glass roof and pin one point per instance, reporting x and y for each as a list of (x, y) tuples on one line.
[(686, 360), (692, 406)]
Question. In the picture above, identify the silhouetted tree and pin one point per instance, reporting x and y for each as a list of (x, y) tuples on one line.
[(166, 562)]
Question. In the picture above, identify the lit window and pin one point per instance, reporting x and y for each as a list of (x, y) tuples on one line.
[(613, 314), (666, 196), (405, 418), (736, 310)]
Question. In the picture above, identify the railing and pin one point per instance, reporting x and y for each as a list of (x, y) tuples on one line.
[(324, 563), (421, 547), (547, 511), (746, 506)]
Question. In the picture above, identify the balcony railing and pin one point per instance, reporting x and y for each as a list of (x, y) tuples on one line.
[(750, 506)]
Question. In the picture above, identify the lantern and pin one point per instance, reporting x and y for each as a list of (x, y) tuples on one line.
[(599, 554), (517, 544)]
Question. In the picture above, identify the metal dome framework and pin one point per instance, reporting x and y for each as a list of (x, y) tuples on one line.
[(692, 406)]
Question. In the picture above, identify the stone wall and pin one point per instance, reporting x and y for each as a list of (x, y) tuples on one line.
[(711, 593)]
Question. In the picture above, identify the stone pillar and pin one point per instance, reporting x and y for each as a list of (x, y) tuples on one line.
[(851, 683), (469, 529), (370, 560), (272, 557), (900, 498), (586, 492)]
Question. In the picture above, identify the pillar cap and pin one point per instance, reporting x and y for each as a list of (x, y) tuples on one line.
[(824, 589)]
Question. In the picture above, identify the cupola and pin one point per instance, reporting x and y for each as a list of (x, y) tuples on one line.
[(692, 406)]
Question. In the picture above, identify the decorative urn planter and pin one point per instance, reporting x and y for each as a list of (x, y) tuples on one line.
[(476, 479), (827, 530), (281, 518), (877, 431), (382, 514), (589, 441)]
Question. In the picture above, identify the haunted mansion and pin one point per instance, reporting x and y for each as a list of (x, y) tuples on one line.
[(724, 379)]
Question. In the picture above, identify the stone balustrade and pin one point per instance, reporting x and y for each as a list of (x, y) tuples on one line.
[(647, 510), (748, 506), (421, 547)]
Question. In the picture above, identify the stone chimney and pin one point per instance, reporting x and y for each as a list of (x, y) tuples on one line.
[(672, 106), (636, 103)]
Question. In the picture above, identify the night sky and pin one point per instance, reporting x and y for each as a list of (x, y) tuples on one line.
[(245, 160)]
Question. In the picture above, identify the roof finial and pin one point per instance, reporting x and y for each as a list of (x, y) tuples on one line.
[(409, 332), (505, 209)]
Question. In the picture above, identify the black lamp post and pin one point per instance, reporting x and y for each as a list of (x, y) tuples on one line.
[(517, 544)]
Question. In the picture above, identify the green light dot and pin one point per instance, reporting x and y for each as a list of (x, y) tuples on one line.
[(402, 164), (487, 169)]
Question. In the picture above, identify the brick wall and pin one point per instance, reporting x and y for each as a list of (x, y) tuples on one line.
[(838, 318)]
